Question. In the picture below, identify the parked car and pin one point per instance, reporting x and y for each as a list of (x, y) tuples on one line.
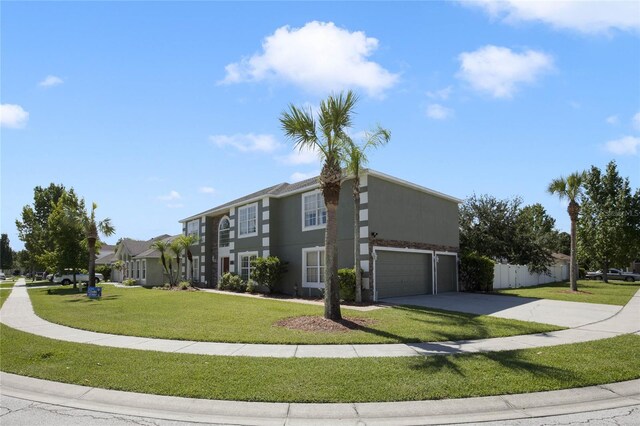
[(614, 274), (66, 279), (2, 276)]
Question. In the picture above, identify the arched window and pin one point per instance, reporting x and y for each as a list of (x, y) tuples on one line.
[(223, 232)]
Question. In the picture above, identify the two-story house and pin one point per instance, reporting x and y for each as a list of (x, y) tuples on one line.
[(408, 239)]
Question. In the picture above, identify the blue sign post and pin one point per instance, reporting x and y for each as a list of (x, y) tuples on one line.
[(94, 292)]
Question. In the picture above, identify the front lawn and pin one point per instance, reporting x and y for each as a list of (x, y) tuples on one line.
[(3, 296), (318, 379), (612, 293), (226, 318), (7, 284)]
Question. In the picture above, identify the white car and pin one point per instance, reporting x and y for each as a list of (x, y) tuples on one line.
[(66, 279), (2, 276)]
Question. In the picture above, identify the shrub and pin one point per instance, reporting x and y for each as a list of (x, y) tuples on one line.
[(252, 286), (184, 285), (232, 282), (347, 281), (105, 270), (267, 271), (476, 272), (129, 282), (582, 273)]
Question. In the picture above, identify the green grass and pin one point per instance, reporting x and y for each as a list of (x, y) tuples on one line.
[(6, 284), (226, 318), (322, 380), (612, 293), (3, 296)]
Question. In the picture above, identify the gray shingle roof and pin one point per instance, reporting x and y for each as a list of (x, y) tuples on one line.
[(153, 253)]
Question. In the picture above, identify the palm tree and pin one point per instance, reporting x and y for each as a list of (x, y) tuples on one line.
[(571, 189), (163, 246), (92, 229), (183, 244), (332, 141), (356, 161)]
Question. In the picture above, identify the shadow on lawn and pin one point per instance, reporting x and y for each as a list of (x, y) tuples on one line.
[(70, 291)]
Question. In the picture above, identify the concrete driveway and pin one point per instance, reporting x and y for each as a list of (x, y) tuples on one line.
[(563, 314)]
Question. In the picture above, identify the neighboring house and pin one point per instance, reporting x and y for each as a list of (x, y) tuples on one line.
[(105, 255), (140, 261), (408, 237)]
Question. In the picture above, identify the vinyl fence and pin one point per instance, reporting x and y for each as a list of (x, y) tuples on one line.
[(513, 276)]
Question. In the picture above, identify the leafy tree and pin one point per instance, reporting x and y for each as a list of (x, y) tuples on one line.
[(535, 238), (92, 228), (570, 188), (562, 243), (610, 223), (6, 253), (356, 160), (332, 141)]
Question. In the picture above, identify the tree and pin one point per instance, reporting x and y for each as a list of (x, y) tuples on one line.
[(332, 142), (562, 243), (92, 229), (163, 247), (536, 237), (570, 188), (6, 253), (356, 160), (174, 249), (610, 224)]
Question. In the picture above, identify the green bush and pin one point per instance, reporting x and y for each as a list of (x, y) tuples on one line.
[(347, 281), (267, 271), (232, 282), (582, 273), (184, 285), (105, 270), (252, 286), (476, 273), (129, 282)]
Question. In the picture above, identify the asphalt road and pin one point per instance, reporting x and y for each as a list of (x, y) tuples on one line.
[(18, 412)]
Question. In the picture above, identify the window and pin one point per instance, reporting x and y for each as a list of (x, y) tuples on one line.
[(313, 267), (248, 220), (314, 212), (192, 228), (137, 269), (194, 269), (144, 269), (223, 232), (245, 265)]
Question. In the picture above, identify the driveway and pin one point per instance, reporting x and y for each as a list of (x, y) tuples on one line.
[(563, 314)]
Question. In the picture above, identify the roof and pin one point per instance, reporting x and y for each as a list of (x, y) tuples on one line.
[(135, 247), (153, 253), (284, 189), (561, 257), (107, 259)]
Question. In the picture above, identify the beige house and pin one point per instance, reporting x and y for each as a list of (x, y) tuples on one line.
[(140, 261)]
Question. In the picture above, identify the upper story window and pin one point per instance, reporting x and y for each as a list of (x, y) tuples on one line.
[(248, 220), (192, 228), (223, 232), (314, 212)]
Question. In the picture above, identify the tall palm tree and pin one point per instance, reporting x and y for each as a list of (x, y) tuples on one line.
[(332, 141), (356, 160), (92, 229), (163, 247), (570, 189)]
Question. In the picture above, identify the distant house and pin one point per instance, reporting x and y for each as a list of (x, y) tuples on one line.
[(408, 236), (140, 261)]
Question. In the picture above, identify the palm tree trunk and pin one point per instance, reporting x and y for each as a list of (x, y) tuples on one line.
[(91, 242), (356, 238), (332, 288), (573, 266)]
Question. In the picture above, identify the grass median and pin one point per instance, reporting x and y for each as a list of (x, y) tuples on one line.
[(322, 380), (226, 318)]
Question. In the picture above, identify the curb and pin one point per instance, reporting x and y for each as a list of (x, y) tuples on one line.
[(492, 408)]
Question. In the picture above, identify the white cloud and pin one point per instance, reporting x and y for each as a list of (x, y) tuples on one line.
[(298, 157), (627, 145), (298, 176), (438, 112), (172, 195), (441, 94), (582, 16), (248, 142), (206, 190), (50, 81), (499, 71), (318, 57), (13, 116), (612, 119), (636, 121)]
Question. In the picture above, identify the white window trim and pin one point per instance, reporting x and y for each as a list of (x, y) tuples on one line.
[(314, 227), (306, 284), (229, 229), (253, 234), (243, 254)]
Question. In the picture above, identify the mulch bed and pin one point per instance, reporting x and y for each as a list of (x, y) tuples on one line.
[(309, 323)]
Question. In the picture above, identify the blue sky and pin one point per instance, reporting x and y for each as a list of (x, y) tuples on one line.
[(158, 111)]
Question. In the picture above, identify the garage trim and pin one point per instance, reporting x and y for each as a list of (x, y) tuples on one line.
[(435, 269), (374, 256)]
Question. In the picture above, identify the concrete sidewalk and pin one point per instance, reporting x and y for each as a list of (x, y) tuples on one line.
[(505, 407), (17, 312)]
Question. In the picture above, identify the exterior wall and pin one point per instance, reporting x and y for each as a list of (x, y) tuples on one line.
[(155, 274), (288, 239)]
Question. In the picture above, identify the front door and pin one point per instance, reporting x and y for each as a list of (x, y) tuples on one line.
[(225, 265)]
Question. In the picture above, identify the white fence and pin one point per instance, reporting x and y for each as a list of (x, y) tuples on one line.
[(512, 276)]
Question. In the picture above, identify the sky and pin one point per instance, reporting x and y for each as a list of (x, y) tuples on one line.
[(161, 110)]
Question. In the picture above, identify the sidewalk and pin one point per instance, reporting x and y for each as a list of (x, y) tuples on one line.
[(505, 407), (17, 312)]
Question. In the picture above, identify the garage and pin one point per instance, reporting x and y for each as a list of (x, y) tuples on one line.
[(403, 273), (446, 272)]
